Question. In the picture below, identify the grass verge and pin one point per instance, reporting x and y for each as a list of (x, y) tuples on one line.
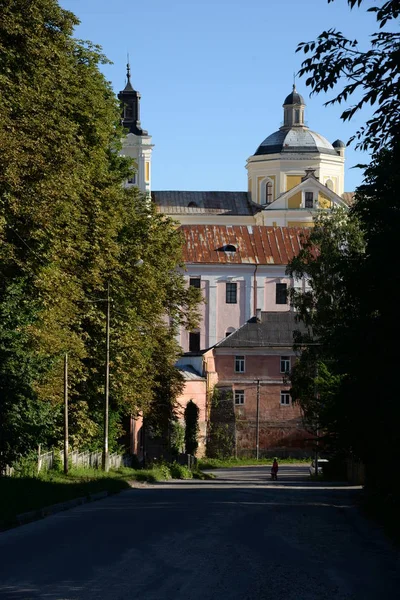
[(217, 463)]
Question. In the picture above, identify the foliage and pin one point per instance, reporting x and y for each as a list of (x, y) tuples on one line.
[(352, 310), (180, 471), (221, 426), (177, 437), (68, 230), (371, 75), (328, 258), (191, 415)]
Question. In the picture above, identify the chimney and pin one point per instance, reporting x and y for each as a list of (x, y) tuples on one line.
[(258, 315)]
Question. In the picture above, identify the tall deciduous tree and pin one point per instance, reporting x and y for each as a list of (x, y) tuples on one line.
[(371, 74), (359, 329), (68, 229)]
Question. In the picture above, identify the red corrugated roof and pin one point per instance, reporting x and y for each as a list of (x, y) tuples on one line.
[(254, 244)]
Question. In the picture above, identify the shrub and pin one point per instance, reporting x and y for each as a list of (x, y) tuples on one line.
[(180, 471)]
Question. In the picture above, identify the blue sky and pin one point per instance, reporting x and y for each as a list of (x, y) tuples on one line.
[(213, 75)]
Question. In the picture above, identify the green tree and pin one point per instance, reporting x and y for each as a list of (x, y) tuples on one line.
[(68, 229), (357, 344), (328, 259), (371, 74), (191, 427)]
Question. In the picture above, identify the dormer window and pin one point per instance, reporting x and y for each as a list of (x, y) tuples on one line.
[(309, 200), (229, 248)]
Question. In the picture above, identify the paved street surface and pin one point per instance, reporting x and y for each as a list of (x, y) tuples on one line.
[(240, 537)]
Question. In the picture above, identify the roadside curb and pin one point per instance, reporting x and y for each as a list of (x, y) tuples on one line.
[(53, 509)]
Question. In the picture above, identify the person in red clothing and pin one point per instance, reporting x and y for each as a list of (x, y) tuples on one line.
[(274, 470)]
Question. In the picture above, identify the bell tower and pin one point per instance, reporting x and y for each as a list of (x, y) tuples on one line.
[(137, 143)]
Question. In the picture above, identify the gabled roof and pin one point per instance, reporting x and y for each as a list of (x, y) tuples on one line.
[(257, 245), (274, 329), (179, 202), (305, 183)]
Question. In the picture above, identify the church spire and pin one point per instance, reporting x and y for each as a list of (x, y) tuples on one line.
[(130, 105)]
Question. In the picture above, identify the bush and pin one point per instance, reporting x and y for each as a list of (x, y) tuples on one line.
[(26, 466), (180, 471)]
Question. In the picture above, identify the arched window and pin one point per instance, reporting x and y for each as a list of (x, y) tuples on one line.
[(229, 331), (268, 192), (329, 184)]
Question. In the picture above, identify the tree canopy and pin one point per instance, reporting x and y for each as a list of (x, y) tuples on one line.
[(352, 308), (68, 229), (372, 75)]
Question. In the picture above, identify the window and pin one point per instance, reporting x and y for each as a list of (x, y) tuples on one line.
[(192, 205), (329, 184), (194, 341), (128, 111), (297, 116), (281, 293), (239, 364), (195, 282), (285, 364), (239, 396), (132, 179), (309, 200), (285, 398), (268, 192), (229, 248), (231, 293), (229, 331)]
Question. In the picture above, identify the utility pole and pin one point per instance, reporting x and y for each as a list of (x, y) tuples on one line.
[(66, 413), (316, 397), (258, 421), (105, 458)]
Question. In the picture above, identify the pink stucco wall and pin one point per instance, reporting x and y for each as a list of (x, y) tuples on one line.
[(230, 315)]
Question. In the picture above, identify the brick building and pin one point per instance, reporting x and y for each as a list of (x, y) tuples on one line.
[(249, 368)]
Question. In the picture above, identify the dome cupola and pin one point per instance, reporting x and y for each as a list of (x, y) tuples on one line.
[(293, 110)]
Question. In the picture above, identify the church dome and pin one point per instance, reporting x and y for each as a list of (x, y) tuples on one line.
[(294, 98), (296, 140), (339, 144), (294, 137)]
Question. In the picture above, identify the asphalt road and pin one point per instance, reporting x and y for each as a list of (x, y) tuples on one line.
[(237, 537)]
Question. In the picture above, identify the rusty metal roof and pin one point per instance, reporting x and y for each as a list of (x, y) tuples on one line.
[(258, 245), (200, 203)]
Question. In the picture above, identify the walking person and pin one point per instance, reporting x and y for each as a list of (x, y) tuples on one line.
[(274, 470)]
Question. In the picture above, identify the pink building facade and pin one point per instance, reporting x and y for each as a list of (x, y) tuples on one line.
[(239, 269)]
